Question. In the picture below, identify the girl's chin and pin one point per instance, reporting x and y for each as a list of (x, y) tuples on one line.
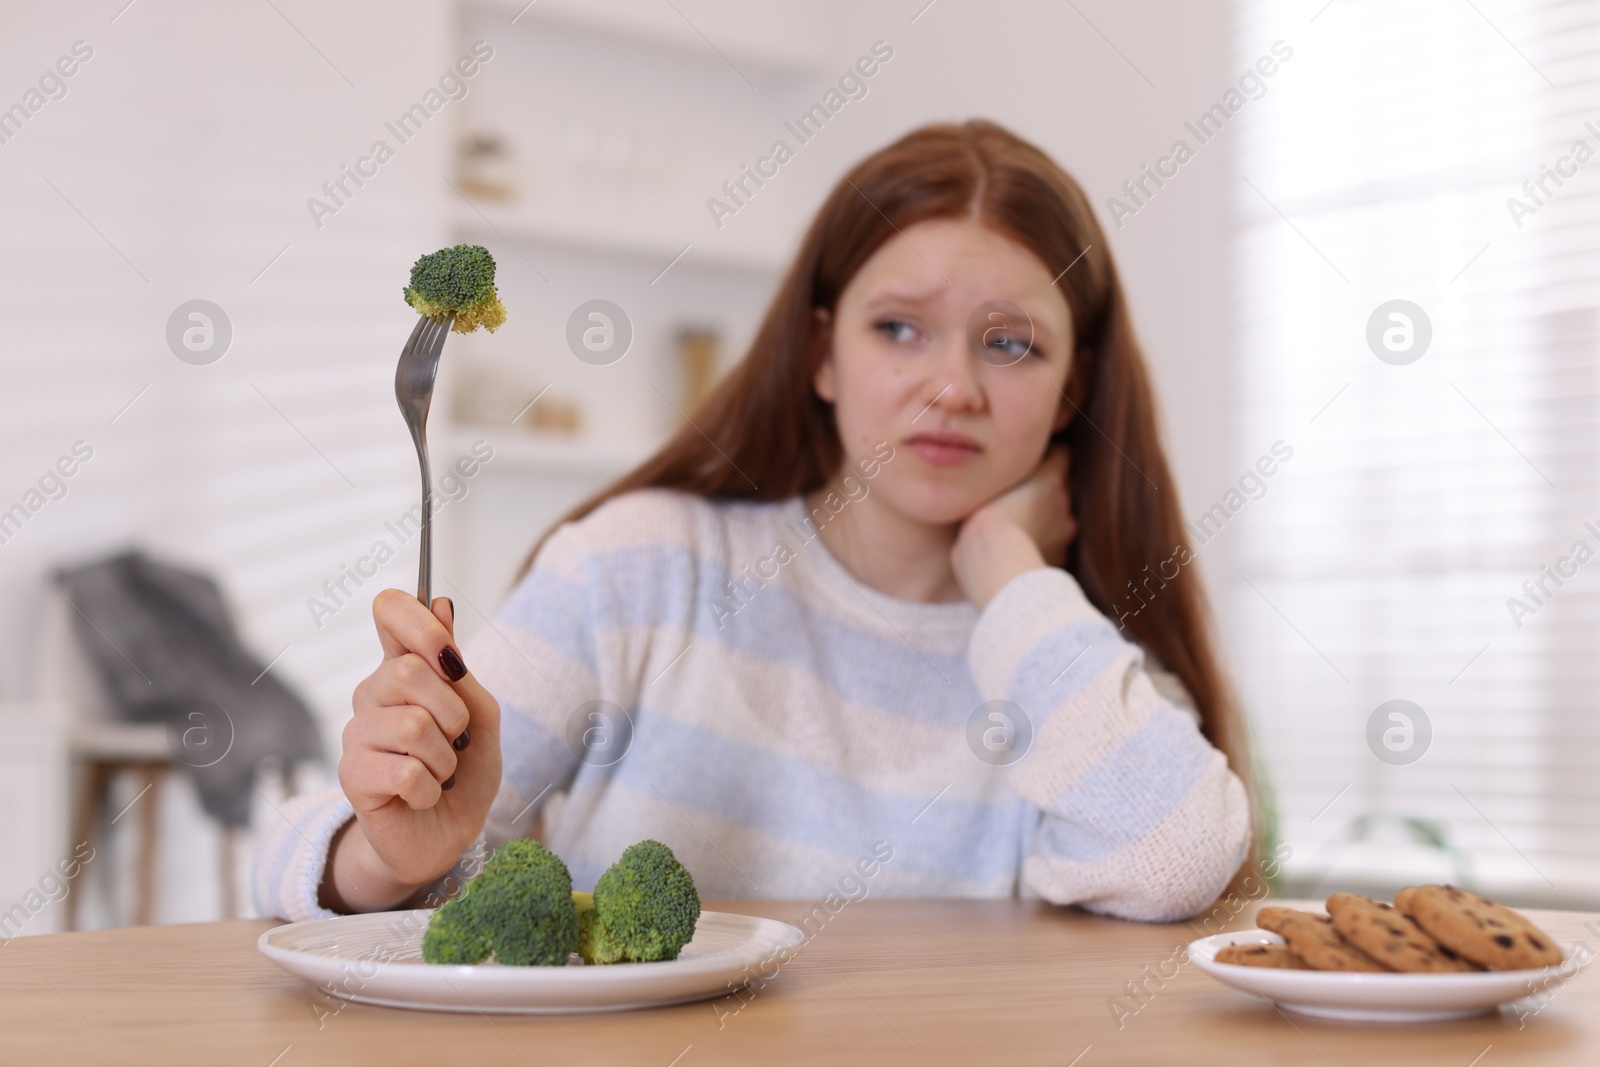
[(939, 505)]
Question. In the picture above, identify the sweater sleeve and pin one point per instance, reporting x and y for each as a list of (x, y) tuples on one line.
[(292, 855), (537, 655), (1140, 816), (540, 657)]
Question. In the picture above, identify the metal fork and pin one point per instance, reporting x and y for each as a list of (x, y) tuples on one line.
[(413, 388)]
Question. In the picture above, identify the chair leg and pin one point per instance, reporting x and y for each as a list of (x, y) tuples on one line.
[(144, 908), (86, 820), (225, 870)]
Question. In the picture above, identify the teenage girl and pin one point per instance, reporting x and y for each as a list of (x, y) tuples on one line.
[(903, 606)]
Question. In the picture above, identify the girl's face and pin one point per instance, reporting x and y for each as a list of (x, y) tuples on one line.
[(930, 353)]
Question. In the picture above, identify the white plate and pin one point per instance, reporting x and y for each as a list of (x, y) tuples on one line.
[(1367, 997), (377, 959)]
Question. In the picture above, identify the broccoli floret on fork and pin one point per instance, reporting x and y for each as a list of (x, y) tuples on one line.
[(457, 281)]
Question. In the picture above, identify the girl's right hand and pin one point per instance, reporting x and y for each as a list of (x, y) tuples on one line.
[(399, 752), (1027, 526)]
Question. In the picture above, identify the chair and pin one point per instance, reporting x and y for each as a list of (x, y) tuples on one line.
[(100, 749)]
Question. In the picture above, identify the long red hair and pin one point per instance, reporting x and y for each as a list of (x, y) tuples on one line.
[(768, 436)]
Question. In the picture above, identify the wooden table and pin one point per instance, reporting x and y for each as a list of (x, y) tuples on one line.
[(882, 983)]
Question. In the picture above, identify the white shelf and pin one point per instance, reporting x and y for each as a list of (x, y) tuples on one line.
[(525, 452), (715, 251), (782, 41)]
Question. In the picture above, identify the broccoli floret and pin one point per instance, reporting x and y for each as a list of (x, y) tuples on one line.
[(519, 907), (454, 935), (457, 281), (525, 902), (585, 905), (645, 907)]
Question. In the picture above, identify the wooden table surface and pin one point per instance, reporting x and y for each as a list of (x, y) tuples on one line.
[(883, 982)]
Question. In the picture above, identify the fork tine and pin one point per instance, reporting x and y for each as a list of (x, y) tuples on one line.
[(437, 344), (411, 342), (434, 343), (424, 345), (425, 342)]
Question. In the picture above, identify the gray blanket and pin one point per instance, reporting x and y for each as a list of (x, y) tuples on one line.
[(163, 643)]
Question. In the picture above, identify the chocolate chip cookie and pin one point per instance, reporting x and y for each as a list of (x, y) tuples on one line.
[(1390, 937), (1478, 929), (1313, 938), (1261, 955)]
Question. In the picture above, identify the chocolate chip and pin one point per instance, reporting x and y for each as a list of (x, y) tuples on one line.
[(1535, 942), (1502, 940)]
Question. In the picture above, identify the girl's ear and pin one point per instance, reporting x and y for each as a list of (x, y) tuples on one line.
[(1076, 391), (823, 380), (1064, 416)]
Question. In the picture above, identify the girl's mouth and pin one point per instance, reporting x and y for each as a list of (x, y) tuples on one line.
[(944, 449)]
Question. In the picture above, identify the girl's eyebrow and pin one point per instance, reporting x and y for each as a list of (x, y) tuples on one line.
[(905, 298)]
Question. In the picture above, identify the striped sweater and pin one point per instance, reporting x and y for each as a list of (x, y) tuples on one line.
[(792, 728)]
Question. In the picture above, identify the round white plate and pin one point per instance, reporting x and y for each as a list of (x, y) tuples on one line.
[(376, 958), (1367, 997)]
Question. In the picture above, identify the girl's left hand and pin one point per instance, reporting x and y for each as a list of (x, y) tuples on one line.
[(1028, 526)]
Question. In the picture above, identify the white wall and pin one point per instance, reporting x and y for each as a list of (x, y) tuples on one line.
[(189, 143)]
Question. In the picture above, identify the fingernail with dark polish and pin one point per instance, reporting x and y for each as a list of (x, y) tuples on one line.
[(463, 741), (450, 660), (448, 783)]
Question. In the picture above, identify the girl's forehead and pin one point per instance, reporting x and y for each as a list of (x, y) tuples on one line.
[(956, 263)]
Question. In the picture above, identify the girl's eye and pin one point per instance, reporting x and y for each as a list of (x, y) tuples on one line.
[(1012, 348), (894, 327)]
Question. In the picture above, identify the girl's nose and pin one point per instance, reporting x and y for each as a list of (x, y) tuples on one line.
[(953, 383)]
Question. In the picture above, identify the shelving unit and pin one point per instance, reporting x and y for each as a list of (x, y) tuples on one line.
[(659, 248)]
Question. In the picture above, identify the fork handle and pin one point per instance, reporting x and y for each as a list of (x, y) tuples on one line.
[(425, 542)]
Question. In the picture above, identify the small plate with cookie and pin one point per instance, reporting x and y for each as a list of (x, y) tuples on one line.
[(1438, 952)]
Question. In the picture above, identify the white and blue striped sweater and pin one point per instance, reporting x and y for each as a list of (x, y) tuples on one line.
[(788, 720)]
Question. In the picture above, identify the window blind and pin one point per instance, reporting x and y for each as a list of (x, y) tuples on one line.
[(1446, 154)]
